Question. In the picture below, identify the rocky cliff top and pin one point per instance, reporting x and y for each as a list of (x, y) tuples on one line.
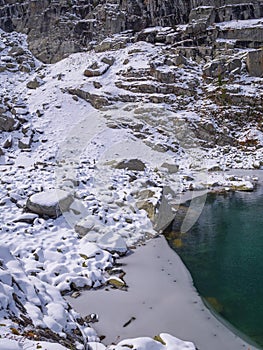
[(58, 28)]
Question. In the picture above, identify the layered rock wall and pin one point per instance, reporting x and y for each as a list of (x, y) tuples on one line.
[(57, 28)]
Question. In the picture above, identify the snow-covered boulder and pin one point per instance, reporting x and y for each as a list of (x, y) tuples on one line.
[(9, 344), (50, 203), (161, 342), (96, 69), (24, 143), (84, 226), (113, 242), (241, 186), (26, 217)]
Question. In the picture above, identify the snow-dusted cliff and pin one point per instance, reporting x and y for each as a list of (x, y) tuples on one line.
[(118, 130)]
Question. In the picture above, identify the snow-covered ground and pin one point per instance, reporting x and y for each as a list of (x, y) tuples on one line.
[(58, 141)]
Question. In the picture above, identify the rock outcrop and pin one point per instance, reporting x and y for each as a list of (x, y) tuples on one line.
[(56, 29), (77, 23), (255, 63)]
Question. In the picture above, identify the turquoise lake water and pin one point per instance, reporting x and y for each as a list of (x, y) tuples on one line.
[(224, 254)]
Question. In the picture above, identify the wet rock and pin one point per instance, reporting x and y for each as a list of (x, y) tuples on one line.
[(116, 282), (91, 318)]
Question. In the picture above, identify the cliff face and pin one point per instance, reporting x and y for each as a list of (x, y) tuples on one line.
[(57, 28)]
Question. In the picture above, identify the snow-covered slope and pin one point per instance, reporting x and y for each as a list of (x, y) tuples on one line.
[(122, 133)]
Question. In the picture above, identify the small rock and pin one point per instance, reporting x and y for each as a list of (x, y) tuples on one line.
[(108, 60), (8, 142), (39, 113), (215, 167), (35, 83), (25, 128), (215, 68), (84, 226), (16, 51), (75, 294), (113, 243), (128, 322), (148, 206), (7, 123), (96, 70), (97, 84), (116, 282), (24, 143), (131, 164), (92, 318), (172, 168), (26, 217)]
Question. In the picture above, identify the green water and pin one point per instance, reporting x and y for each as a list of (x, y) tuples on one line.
[(224, 253)]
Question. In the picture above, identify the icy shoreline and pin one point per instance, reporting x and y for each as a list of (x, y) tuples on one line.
[(157, 303), (161, 298)]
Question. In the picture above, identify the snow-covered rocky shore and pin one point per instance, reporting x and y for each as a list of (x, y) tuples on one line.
[(88, 170), (160, 298)]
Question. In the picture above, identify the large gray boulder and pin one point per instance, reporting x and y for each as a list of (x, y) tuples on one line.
[(50, 203), (160, 211), (255, 63), (131, 164)]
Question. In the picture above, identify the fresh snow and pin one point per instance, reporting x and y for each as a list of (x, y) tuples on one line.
[(75, 150)]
